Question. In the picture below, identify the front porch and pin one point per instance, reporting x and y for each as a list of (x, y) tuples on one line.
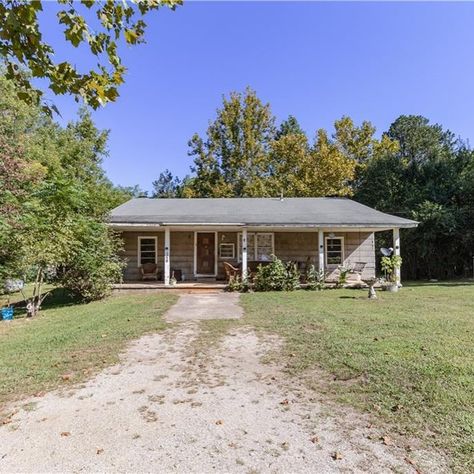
[(195, 256)]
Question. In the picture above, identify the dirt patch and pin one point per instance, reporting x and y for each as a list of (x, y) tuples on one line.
[(165, 408)]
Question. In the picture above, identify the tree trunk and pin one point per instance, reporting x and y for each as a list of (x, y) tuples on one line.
[(34, 304)]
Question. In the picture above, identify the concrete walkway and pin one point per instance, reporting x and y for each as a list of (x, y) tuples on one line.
[(193, 307)]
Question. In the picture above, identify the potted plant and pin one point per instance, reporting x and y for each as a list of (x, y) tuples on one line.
[(173, 280), (390, 265)]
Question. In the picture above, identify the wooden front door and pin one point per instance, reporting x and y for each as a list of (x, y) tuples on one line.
[(205, 253)]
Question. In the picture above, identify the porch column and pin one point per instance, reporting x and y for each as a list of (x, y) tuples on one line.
[(321, 250), (167, 256), (396, 251), (244, 254)]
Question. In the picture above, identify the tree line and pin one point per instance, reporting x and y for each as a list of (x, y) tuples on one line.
[(54, 201), (416, 170)]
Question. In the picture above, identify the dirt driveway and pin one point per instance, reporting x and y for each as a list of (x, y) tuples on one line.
[(167, 407)]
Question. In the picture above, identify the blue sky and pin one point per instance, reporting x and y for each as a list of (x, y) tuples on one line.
[(317, 61)]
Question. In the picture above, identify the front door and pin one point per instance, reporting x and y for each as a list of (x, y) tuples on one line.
[(205, 253)]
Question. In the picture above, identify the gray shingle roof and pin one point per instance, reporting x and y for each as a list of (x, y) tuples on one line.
[(337, 212)]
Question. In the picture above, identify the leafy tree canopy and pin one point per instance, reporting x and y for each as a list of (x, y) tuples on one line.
[(245, 154), (57, 198), (99, 26), (428, 179)]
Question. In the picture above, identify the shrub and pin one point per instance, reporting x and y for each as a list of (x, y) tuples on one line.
[(237, 284), (389, 265), (342, 278), (292, 280), (94, 265), (315, 279), (276, 276)]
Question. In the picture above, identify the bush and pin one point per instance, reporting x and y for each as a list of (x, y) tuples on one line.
[(237, 284), (94, 265), (342, 278), (315, 279), (277, 276)]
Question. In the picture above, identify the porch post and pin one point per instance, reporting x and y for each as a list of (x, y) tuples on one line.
[(167, 256), (321, 250), (244, 254), (396, 251)]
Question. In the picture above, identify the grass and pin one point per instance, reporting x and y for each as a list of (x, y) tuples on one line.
[(408, 357), (68, 342)]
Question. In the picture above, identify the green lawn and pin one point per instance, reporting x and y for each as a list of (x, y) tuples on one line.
[(409, 357), (75, 339)]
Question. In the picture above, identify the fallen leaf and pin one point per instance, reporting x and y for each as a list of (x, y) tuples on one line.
[(284, 402), (65, 433), (315, 439), (66, 376), (39, 394), (104, 335), (219, 422), (397, 407), (337, 456), (100, 450), (387, 440)]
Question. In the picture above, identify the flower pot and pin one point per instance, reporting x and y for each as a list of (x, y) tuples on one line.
[(7, 313), (393, 288)]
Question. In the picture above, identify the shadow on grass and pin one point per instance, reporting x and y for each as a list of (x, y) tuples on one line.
[(57, 298)]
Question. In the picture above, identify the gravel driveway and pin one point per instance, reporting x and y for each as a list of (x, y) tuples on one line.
[(169, 408)]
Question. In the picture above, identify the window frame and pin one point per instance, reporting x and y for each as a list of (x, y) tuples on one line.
[(336, 237), (255, 245), (230, 245), (139, 248)]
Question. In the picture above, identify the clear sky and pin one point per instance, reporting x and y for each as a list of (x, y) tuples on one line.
[(317, 61)]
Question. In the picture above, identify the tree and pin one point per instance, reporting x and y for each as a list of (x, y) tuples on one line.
[(233, 158), (166, 186), (22, 45), (301, 170), (427, 178), (56, 201), (290, 126)]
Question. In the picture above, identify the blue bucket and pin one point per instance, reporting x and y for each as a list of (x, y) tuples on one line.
[(7, 313)]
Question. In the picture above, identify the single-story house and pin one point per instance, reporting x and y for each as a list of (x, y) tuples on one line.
[(194, 237)]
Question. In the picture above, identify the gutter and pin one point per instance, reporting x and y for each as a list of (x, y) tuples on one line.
[(240, 224)]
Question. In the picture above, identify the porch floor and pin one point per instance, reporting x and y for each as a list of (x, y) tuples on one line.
[(159, 285)]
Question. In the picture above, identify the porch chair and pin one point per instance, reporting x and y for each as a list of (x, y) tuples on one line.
[(230, 271), (149, 271)]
